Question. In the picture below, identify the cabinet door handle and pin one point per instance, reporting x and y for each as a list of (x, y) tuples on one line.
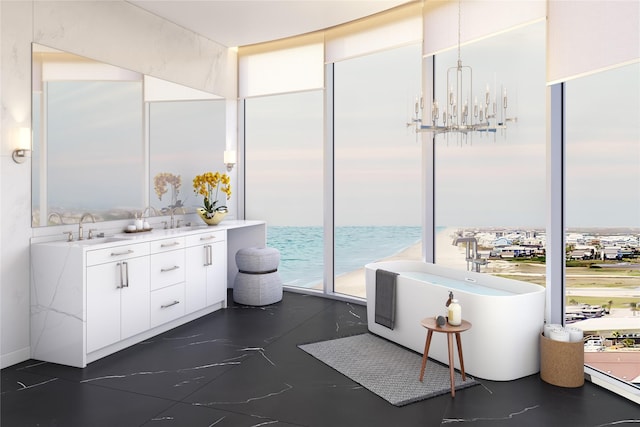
[(164, 270), (126, 274), (120, 270), (170, 304), (207, 255), (168, 245), (204, 238), (128, 252)]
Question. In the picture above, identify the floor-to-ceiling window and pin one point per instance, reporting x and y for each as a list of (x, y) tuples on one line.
[(283, 160), (490, 186), (602, 146), (377, 167)]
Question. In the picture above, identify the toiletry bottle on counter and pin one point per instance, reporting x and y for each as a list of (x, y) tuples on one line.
[(139, 223), (455, 313)]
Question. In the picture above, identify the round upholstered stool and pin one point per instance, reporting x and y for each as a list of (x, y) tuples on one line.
[(257, 281)]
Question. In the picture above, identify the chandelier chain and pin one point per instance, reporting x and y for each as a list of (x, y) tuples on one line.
[(459, 26)]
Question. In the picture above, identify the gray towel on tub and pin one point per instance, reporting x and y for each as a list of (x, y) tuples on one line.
[(385, 298)]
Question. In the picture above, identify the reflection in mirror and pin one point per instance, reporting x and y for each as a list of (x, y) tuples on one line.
[(188, 140), (89, 151)]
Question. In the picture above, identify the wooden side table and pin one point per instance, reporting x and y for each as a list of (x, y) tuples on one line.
[(432, 326)]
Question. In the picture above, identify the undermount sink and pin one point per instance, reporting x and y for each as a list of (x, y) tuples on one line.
[(101, 240)]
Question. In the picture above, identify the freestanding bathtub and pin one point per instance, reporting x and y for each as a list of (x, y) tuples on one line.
[(507, 317)]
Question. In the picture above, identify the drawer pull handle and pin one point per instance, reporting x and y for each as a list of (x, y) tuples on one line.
[(170, 304), (164, 270), (208, 237), (168, 245), (128, 252)]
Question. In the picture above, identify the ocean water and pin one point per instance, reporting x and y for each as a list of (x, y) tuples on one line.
[(301, 249)]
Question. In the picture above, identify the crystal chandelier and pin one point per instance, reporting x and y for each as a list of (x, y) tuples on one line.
[(459, 114)]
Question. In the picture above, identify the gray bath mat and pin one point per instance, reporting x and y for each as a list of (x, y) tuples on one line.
[(388, 370)]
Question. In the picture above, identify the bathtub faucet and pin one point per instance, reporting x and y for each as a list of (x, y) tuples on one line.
[(473, 259)]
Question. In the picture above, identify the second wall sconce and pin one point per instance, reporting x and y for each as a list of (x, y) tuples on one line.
[(23, 145), (230, 159)]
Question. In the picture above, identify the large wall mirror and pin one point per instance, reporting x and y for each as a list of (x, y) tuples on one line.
[(114, 143)]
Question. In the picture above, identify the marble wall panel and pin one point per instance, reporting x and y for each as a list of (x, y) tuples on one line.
[(121, 34), (15, 181)]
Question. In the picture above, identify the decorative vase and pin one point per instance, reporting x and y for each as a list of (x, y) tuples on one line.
[(215, 219)]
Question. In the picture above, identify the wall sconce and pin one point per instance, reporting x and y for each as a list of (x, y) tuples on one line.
[(23, 145), (230, 159)]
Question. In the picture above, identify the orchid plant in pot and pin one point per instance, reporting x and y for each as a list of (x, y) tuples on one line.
[(209, 185)]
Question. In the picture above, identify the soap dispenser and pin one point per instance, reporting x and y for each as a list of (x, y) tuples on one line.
[(455, 313), (446, 308)]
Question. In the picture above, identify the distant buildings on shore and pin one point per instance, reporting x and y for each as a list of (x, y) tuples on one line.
[(505, 243)]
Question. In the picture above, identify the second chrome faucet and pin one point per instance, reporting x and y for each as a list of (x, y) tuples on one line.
[(80, 229)]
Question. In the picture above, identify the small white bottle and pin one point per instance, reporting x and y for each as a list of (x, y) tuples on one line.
[(139, 223), (455, 313)]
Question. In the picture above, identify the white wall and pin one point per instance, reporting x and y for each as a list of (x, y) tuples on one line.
[(114, 32)]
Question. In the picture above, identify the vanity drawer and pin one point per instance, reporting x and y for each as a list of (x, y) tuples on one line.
[(167, 304), (167, 268), (206, 238), (164, 245), (117, 253)]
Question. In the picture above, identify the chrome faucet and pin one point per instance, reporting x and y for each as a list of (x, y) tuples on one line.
[(53, 215), (80, 230), (172, 211), (150, 209), (474, 261)]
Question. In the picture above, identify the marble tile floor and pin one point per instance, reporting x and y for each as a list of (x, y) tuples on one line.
[(241, 367)]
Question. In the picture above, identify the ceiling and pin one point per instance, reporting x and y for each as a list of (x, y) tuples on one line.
[(243, 22)]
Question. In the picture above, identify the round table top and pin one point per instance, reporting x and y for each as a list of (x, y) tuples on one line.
[(430, 323)]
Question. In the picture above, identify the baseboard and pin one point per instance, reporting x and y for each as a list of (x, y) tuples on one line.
[(10, 359)]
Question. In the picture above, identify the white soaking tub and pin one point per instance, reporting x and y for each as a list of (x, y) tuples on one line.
[(506, 316)]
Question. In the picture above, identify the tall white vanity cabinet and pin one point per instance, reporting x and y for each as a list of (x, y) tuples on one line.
[(90, 299)]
